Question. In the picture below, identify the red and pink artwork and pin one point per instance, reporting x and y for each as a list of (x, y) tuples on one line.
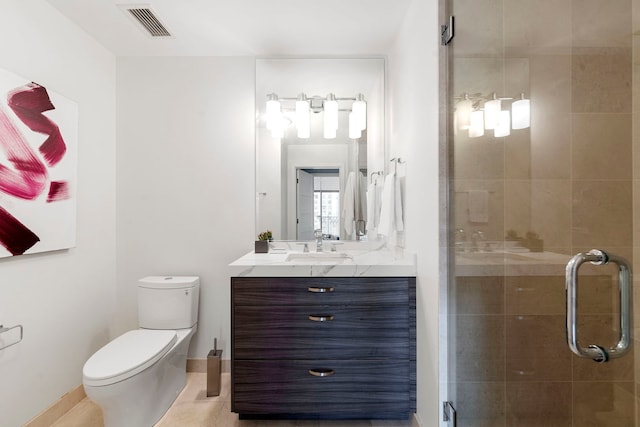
[(38, 146)]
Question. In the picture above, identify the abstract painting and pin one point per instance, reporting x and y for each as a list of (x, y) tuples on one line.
[(38, 154)]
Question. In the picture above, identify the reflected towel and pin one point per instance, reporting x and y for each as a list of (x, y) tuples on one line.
[(397, 194), (387, 206), (478, 206), (371, 207), (348, 204), (362, 197)]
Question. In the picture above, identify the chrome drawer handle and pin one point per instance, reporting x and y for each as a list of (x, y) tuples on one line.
[(321, 372), (320, 290), (318, 318)]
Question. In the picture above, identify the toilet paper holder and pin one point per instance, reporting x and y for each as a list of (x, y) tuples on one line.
[(3, 330)]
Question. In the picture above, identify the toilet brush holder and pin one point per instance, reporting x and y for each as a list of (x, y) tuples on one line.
[(214, 369)]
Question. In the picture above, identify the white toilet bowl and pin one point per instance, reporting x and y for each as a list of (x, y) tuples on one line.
[(136, 377)]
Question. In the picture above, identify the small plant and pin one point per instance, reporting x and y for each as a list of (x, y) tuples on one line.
[(266, 235)]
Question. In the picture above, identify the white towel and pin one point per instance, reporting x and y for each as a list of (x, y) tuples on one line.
[(387, 206), (478, 206), (348, 204)]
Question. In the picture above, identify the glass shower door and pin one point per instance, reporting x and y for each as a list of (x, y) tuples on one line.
[(543, 150)]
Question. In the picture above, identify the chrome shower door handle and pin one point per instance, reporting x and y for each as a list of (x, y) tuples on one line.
[(596, 352)]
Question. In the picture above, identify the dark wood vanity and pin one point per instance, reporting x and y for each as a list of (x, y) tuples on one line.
[(321, 347)]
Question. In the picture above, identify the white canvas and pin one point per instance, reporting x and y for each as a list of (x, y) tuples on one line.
[(49, 215)]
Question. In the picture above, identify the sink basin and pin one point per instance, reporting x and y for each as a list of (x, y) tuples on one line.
[(304, 257)]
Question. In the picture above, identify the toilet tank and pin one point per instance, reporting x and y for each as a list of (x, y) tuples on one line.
[(168, 302)]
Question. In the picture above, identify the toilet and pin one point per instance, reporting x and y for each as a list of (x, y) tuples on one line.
[(136, 377)]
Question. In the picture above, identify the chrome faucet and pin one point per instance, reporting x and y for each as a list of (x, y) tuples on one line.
[(318, 236)]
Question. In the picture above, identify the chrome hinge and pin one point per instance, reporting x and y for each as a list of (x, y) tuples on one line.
[(446, 32), (449, 413)]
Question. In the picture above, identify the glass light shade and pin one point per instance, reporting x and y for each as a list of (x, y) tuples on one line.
[(359, 110), (277, 130), (476, 125), (330, 114), (503, 127), (463, 113), (273, 112), (354, 129), (491, 112), (521, 114), (330, 133), (330, 117), (303, 123)]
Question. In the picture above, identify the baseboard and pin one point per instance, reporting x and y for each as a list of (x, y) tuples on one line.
[(63, 405), (200, 365)]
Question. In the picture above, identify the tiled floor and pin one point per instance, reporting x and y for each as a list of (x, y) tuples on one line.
[(193, 408)]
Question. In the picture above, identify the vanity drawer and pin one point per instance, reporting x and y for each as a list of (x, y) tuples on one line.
[(349, 389), (322, 290), (293, 332)]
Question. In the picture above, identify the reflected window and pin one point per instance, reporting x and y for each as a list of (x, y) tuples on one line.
[(326, 203)]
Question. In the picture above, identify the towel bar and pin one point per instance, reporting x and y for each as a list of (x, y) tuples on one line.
[(3, 330)]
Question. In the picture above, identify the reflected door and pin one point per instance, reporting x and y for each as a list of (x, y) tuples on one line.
[(543, 147), (304, 205)]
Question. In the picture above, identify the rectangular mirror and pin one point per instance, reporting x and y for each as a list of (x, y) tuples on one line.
[(311, 172)]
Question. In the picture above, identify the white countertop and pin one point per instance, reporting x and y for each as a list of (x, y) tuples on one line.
[(351, 259)]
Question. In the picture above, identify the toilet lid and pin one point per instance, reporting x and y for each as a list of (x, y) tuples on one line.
[(127, 355)]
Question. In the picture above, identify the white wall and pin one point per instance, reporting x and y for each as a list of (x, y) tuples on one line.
[(413, 89), (185, 179), (65, 300)]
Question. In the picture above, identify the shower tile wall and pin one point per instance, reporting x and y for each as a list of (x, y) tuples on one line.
[(571, 178)]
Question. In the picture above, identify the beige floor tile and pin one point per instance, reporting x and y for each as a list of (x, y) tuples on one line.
[(85, 414), (193, 408)]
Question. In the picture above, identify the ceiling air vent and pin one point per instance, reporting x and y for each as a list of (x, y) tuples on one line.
[(145, 17)]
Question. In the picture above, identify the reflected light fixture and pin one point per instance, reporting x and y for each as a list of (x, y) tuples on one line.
[(359, 111), (521, 113), (463, 112), (476, 124), (354, 129), (491, 112), (503, 126), (273, 111)]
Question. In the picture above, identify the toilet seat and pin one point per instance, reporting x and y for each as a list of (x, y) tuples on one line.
[(127, 355)]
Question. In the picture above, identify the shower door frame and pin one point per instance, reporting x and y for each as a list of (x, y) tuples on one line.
[(447, 247)]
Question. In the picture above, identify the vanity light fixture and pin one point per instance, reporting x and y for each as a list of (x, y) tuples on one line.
[(304, 106), (303, 120), (330, 116)]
